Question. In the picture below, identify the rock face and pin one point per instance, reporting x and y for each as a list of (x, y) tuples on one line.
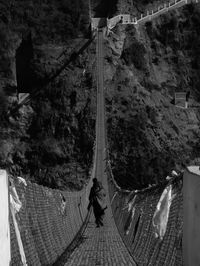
[(50, 140), (147, 134)]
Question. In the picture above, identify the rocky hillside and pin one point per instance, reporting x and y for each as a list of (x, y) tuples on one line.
[(148, 135), (137, 7), (50, 139)]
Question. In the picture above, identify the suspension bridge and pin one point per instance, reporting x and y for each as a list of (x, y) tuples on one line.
[(50, 227)]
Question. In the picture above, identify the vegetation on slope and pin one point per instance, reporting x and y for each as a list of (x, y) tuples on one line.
[(148, 135), (49, 141)]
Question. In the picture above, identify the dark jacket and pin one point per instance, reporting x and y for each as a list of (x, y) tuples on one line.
[(97, 198)]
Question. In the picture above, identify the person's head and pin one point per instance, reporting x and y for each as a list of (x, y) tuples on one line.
[(95, 181)]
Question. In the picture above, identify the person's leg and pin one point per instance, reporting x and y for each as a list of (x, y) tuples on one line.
[(96, 219), (101, 216), (96, 214), (99, 221)]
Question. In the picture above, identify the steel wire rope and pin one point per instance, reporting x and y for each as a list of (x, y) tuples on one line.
[(37, 92)]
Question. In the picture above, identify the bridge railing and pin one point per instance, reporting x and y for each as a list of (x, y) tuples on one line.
[(48, 220), (133, 213), (149, 15)]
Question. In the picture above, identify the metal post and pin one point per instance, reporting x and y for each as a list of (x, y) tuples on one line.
[(191, 216), (135, 20)]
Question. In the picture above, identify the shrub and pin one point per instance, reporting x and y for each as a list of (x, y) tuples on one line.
[(135, 54)]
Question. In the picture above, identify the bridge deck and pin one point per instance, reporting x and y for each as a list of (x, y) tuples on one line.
[(100, 246)]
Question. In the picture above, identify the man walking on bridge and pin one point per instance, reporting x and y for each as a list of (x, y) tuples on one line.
[(97, 200)]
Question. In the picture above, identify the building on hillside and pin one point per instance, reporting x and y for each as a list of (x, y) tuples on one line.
[(126, 18)]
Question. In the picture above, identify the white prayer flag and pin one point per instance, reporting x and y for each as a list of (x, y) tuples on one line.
[(5, 254)]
